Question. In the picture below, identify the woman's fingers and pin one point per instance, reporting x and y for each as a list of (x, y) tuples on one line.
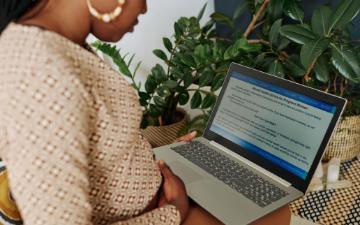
[(187, 137), (165, 170)]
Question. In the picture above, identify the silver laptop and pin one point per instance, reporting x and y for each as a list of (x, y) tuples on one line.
[(263, 142)]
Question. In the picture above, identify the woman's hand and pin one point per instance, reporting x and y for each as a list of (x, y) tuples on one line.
[(173, 191), (187, 137)]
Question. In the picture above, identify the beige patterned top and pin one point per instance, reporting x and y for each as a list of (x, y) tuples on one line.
[(70, 136)]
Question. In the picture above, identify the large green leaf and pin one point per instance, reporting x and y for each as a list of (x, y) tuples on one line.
[(294, 66), (159, 53), (188, 79), (275, 8), (177, 73), (202, 53), (150, 84), (115, 55), (277, 69), (158, 73), (208, 101), (346, 61), (178, 30), (171, 84), (167, 44), (187, 59), (183, 98), (344, 13), (283, 43), (297, 33), (274, 35), (196, 100), (217, 82), (243, 44), (240, 10), (206, 77), (222, 18), (312, 50), (321, 69), (163, 91), (201, 13), (207, 27), (320, 20), (292, 10)]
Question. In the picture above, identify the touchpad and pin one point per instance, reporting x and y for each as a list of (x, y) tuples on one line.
[(187, 174)]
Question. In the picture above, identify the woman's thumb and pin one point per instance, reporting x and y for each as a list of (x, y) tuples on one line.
[(165, 170)]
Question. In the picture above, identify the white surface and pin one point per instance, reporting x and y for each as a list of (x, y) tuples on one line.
[(333, 171)]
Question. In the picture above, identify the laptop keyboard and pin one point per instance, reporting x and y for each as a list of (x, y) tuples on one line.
[(231, 173)]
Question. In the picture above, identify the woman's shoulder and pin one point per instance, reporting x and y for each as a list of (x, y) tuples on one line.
[(39, 57)]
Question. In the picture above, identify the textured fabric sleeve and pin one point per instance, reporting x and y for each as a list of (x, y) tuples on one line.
[(47, 153), (167, 215)]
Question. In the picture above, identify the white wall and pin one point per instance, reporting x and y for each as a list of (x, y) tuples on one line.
[(158, 22)]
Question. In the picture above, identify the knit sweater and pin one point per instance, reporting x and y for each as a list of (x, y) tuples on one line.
[(70, 138)]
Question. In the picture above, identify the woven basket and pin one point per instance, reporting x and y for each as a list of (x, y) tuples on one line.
[(164, 135), (345, 142)]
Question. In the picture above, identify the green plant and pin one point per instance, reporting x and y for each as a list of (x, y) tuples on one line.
[(196, 63), (317, 53)]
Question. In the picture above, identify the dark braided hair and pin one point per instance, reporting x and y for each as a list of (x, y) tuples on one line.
[(12, 10)]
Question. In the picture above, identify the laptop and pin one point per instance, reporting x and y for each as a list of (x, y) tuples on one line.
[(262, 144)]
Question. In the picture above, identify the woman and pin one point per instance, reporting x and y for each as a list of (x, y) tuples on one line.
[(70, 125)]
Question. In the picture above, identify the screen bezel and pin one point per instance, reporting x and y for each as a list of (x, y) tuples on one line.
[(297, 182)]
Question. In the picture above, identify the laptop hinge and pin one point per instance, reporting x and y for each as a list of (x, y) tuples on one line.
[(251, 164)]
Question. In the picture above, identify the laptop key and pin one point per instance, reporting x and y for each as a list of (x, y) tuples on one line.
[(237, 177)]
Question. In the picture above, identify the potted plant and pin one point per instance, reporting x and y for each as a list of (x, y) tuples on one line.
[(317, 53), (195, 65)]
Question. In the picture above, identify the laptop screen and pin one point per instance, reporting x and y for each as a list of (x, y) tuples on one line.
[(280, 125)]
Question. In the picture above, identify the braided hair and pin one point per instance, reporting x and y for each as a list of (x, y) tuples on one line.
[(12, 10)]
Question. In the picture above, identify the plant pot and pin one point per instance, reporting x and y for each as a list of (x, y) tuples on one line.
[(345, 142), (164, 135)]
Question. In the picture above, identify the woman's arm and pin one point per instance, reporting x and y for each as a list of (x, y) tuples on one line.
[(47, 153)]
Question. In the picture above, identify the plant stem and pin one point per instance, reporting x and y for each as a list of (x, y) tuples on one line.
[(308, 71), (258, 24), (223, 39), (328, 87), (342, 86), (335, 84), (258, 41), (255, 18), (203, 91), (171, 57), (160, 121)]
